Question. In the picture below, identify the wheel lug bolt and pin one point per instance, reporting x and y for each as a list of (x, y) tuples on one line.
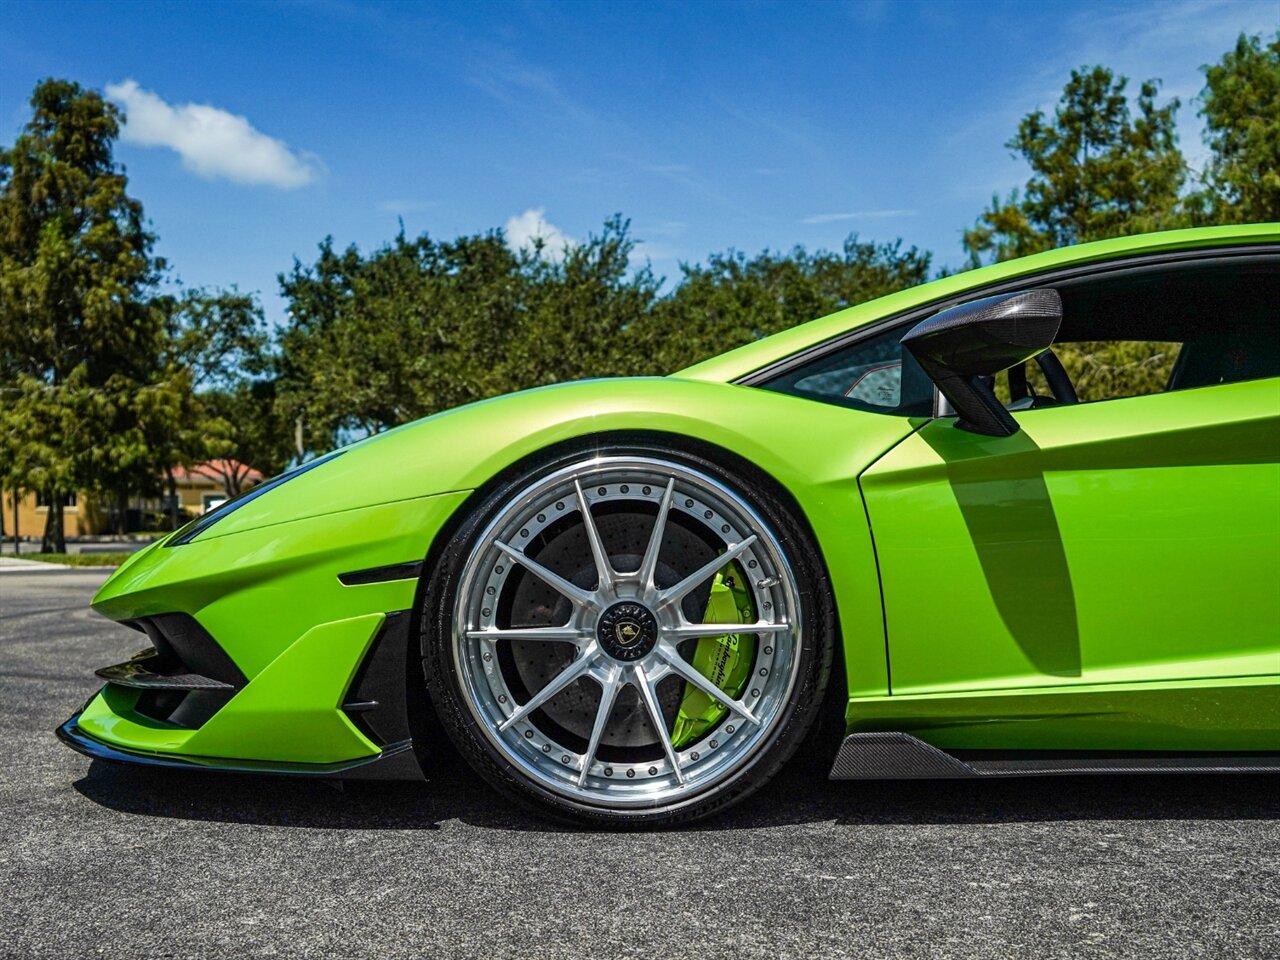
[(714, 744), (755, 693), (653, 771), (488, 656), (694, 755), (565, 758), (502, 698), (528, 734), (546, 748), (631, 773), (608, 771), (729, 728)]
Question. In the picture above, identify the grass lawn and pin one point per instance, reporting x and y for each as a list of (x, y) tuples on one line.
[(80, 559)]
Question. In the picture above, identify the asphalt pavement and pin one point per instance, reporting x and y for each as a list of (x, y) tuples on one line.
[(102, 860)]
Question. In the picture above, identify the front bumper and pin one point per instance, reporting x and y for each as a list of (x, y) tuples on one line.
[(266, 660)]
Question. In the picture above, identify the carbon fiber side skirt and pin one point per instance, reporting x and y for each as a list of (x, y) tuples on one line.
[(900, 756)]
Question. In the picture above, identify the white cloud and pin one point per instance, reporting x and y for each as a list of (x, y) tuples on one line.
[(522, 232), (858, 215), (213, 143)]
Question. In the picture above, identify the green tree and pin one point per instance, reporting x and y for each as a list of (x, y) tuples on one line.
[(734, 299), (578, 314), (416, 326), (1241, 109), (1099, 169), (76, 271), (421, 325), (214, 342), (245, 429)]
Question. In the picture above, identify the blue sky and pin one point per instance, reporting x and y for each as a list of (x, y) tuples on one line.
[(260, 128)]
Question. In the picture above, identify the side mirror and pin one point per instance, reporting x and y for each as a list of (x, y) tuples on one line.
[(962, 345)]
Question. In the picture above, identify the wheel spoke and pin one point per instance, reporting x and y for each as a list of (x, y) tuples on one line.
[(604, 570), (561, 680), (703, 573), (688, 630), (608, 694), (649, 565), (553, 580), (560, 634), (677, 663), (650, 697)]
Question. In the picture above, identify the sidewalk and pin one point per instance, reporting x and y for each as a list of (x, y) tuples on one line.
[(15, 565)]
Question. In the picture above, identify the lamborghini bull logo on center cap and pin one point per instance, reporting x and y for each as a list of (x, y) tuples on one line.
[(626, 632)]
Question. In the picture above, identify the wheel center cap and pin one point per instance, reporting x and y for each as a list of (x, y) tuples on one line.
[(627, 631)]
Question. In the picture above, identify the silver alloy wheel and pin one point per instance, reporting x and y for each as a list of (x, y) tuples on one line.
[(617, 619)]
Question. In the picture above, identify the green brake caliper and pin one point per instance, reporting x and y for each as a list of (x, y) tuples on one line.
[(726, 660)]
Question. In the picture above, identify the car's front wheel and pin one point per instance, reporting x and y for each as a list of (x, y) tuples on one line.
[(628, 635)]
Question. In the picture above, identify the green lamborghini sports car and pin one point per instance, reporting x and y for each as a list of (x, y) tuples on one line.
[(629, 601)]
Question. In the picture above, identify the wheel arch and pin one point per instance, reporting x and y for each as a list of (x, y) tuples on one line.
[(586, 442)]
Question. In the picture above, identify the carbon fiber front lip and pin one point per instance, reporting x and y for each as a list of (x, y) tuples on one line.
[(395, 755)]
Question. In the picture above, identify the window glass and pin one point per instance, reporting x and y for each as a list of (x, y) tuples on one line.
[(1170, 327), (874, 374), (1125, 333)]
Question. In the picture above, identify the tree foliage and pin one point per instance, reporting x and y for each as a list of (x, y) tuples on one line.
[(420, 325), (75, 273), (1099, 169), (1241, 110)]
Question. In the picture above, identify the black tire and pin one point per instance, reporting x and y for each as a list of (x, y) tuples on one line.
[(814, 645)]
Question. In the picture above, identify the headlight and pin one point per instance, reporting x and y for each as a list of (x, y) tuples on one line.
[(203, 522)]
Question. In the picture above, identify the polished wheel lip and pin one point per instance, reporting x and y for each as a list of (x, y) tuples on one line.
[(682, 775)]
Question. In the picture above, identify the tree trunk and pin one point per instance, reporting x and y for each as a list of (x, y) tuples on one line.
[(16, 547), (173, 497), (51, 520), (122, 513), (59, 532)]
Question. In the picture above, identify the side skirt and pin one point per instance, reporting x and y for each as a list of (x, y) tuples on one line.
[(900, 756)]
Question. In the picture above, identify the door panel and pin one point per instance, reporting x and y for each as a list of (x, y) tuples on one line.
[(1129, 540)]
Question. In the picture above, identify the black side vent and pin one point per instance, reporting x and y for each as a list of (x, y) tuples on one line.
[(186, 679), (376, 699)]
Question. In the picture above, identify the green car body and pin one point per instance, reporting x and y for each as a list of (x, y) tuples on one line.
[(1106, 579)]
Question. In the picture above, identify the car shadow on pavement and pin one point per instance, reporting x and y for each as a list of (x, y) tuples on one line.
[(797, 796)]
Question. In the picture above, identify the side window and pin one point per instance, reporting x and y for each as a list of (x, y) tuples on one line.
[(1105, 369), (1170, 327), (873, 374)]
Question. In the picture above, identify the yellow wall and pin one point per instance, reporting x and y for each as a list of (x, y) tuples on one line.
[(81, 520), (86, 519)]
